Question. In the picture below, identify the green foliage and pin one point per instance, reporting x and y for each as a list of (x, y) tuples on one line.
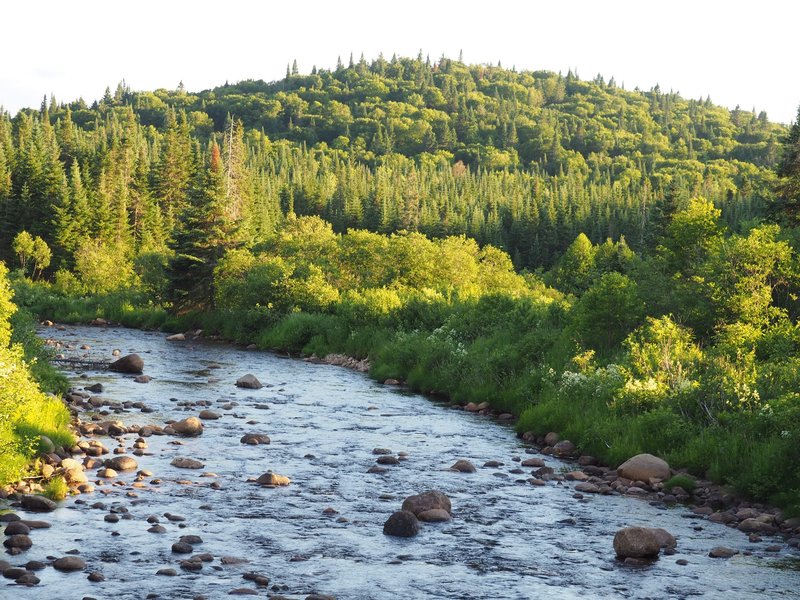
[(56, 489), (686, 482), (608, 311), (26, 412)]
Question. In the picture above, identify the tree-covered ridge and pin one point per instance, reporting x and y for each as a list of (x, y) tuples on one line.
[(521, 160)]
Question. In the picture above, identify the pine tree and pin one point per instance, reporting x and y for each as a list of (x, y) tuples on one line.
[(206, 233)]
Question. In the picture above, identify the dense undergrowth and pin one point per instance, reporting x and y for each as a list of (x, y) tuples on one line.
[(26, 412), (671, 354)]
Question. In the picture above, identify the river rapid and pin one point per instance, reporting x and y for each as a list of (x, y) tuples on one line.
[(507, 539)]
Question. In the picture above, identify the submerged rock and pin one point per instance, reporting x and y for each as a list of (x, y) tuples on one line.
[(183, 462), (254, 439)]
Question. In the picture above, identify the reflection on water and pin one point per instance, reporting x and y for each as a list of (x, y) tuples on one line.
[(507, 539)]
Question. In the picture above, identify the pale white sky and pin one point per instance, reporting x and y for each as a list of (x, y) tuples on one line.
[(737, 52)]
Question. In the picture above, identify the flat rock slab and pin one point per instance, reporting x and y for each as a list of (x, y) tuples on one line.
[(186, 463)]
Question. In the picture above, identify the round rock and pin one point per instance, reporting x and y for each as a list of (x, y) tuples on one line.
[(69, 563), (636, 542), (401, 524)]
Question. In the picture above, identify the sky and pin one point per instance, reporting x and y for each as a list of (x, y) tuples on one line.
[(736, 52)]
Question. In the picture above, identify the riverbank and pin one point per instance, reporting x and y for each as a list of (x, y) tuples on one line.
[(323, 532), (517, 354)]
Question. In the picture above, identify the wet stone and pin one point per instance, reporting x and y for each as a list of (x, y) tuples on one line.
[(463, 466), (167, 572), (191, 539), (16, 527), (13, 572), (18, 541), (182, 548), (69, 563), (191, 565), (28, 579)]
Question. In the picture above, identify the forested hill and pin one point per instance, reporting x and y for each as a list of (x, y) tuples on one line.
[(521, 160)]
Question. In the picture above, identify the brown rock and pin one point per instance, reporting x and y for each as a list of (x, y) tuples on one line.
[(190, 427), (132, 363), (722, 552), (564, 448), (270, 478), (636, 542), (209, 415), (254, 439), (249, 381), (183, 462), (434, 515), (426, 501), (38, 503), (532, 462), (69, 563), (643, 467), (463, 466), (401, 524), (19, 540), (122, 463), (551, 439)]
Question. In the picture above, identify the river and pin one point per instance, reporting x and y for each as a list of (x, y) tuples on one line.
[(507, 538)]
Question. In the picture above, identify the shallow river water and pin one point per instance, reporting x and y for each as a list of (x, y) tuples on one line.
[(507, 539)]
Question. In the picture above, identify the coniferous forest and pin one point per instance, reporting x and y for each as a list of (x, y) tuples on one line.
[(616, 265)]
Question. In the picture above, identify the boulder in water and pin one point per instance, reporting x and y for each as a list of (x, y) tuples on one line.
[(190, 427), (249, 381), (272, 479), (132, 363), (636, 542), (401, 524), (38, 503), (463, 466), (426, 501)]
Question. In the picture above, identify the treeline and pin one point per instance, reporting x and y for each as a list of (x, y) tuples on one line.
[(522, 161)]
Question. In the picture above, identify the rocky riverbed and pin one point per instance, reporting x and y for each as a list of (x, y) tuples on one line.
[(287, 490)]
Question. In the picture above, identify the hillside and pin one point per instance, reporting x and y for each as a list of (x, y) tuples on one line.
[(521, 160)]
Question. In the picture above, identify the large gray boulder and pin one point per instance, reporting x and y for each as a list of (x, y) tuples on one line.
[(644, 467), (132, 363)]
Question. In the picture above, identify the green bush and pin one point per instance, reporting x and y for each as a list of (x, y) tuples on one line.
[(56, 489)]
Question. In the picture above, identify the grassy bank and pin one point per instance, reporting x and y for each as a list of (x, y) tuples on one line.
[(26, 412)]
